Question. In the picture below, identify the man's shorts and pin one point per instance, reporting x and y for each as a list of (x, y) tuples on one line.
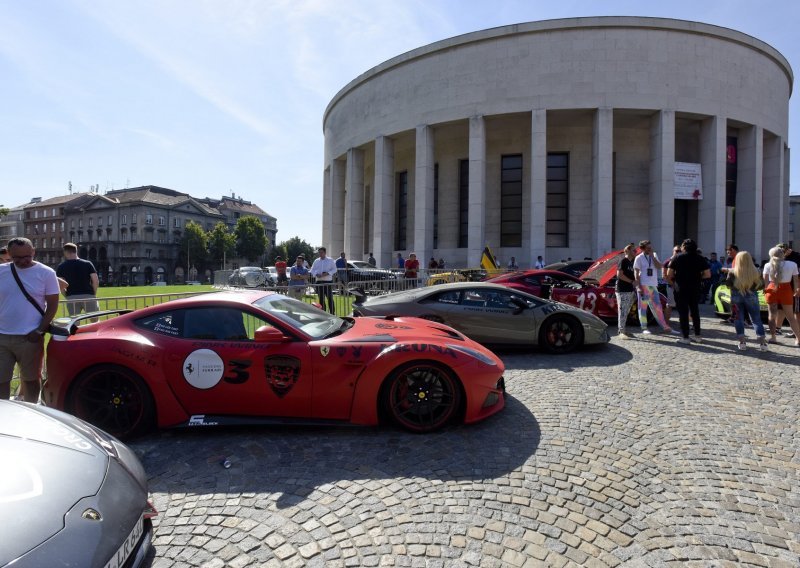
[(16, 349), (81, 303)]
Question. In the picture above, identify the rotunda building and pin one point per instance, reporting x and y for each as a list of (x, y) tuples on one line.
[(561, 138)]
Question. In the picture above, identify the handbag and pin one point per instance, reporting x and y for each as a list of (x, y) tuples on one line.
[(27, 296)]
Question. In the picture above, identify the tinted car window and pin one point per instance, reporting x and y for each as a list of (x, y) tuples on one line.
[(223, 324), (449, 297)]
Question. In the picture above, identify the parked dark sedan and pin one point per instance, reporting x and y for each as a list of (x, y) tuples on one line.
[(71, 494), (370, 278)]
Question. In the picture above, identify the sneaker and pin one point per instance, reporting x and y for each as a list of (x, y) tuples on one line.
[(624, 335), (647, 332), (671, 331), (789, 334), (684, 340), (697, 339), (773, 341), (742, 346), (764, 347)]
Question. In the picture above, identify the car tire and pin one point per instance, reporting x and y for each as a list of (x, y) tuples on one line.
[(560, 334), (421, 397), (113, 398)]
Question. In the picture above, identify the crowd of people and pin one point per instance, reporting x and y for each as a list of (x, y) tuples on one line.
[(690, 278)]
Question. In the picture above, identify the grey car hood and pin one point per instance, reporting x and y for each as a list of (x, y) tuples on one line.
[(47, 466)]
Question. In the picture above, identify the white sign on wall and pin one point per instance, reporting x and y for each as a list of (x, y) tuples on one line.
[(688, 181)]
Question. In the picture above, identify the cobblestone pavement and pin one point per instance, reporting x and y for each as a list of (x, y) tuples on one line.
[(638, 453)]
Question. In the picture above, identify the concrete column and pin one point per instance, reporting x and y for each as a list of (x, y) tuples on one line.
[(711, 209), (354, 205), (327, 215), (423, 194), (749, 189), (538, 211), (662, 176), (477, 191), (602, 178), (337, 208), (775, 222), (383, 202)]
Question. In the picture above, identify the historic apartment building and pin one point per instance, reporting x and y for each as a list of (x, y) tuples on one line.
[(561, 138), (132, 236)]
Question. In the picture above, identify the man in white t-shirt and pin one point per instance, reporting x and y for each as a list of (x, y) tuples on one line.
[(646, 268), (22, 325), (323, 270)]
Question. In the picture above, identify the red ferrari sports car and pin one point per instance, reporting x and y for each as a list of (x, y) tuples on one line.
[(593, 292), (260, 357)]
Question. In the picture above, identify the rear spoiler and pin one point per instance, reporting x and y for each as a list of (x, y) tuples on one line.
[(68, 325)]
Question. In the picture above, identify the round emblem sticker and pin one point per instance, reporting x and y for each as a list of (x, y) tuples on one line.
[(203, 368)]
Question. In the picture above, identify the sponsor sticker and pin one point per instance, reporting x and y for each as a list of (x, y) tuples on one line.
[(203, 368)]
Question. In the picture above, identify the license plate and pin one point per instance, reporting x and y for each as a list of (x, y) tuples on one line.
[(128, 546)]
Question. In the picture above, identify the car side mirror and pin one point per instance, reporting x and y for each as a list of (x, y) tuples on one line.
[(521, 305), (269, 334)]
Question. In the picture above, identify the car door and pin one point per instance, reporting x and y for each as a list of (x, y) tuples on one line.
[(215, 366), (490, 315)]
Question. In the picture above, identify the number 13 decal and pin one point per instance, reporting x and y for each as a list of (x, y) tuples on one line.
[(587, 301)]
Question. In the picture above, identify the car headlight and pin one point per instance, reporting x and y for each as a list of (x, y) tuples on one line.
[(482, 357)]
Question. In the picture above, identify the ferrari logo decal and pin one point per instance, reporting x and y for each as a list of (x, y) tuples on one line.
[(282, 373), (324, 351)]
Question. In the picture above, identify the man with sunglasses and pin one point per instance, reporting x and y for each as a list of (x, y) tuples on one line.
[(23, 325)]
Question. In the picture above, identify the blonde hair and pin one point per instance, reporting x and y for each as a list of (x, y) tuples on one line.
[(775, 264), (745, 272)]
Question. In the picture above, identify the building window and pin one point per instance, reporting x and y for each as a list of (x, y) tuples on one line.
[(91, 222), (80, 223), (148, 219), (52, 242), (133, 218), (176, 223), (35, 243), (44, 213), (110, 219), (161, 221), (161, 254), (463, 203), (148, 252), (511, 201), (54, 212), (53, 227), (557, 225), (35, 213), (402, 211), (62, 226), (124, 220), (99, 221)]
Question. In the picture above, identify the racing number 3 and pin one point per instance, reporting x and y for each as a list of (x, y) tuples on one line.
[(587, 301)]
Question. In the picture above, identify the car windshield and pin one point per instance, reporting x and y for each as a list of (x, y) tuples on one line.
[(301, 316), (361, 264)]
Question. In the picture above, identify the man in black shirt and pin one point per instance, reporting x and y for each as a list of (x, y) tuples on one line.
[(82, 281), (686, 273), (625, 290)]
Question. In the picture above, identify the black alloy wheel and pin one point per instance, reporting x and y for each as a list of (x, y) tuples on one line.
[(560, 334), (422, 397)]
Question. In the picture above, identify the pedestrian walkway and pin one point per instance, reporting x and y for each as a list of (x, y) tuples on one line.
[(637, 453)]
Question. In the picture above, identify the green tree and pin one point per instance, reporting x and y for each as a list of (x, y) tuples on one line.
[(195, 244), (251, 241), (221, 244), (294, 247), (3, 210)]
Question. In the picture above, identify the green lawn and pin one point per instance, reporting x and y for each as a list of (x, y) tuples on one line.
[(121, 291)]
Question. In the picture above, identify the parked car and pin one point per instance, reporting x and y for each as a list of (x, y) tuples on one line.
[(71, 494), (369, 278), (462, 275), (572, 267), (260, 357), (493, 314), (722, 303), (250, 277)]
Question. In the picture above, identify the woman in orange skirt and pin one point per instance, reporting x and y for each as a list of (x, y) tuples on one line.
[(780, 285)]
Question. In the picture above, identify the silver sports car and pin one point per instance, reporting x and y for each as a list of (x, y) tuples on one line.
[(493, 314), (71, 495)]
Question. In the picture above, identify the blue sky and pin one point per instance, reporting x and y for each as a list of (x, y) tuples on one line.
[(211, 97)]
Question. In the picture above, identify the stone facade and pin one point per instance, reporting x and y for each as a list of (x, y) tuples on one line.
[(420, 151)]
